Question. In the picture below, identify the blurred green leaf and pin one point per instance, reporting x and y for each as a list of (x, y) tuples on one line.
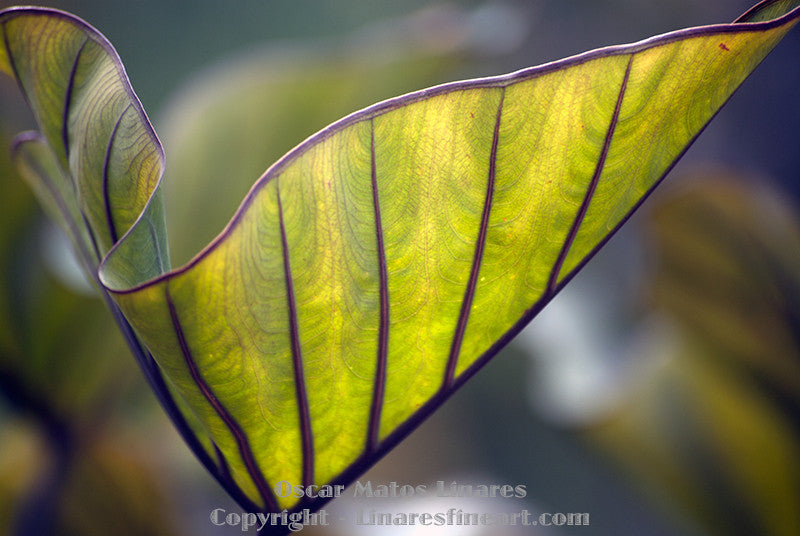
[(715, 427), (21, 467), (121, 491), (107, 489), (729, 259)]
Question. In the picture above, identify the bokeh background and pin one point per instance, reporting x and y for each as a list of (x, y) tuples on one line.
[(660, 392)]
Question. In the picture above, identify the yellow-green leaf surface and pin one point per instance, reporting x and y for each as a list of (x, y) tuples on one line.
[(382, 262)]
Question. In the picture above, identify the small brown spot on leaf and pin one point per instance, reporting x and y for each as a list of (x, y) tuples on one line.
[(724, 47)]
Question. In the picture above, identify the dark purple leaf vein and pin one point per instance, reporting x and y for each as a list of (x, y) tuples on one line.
[(469, 293), (573, 232), (68, 100), (383, 328), (297, 357), (106, 197), (239, 436)]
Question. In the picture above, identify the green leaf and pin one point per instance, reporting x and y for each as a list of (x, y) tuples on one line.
[(378, 265)]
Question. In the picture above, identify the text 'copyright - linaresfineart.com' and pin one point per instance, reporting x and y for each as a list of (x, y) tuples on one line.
[(295, 520)]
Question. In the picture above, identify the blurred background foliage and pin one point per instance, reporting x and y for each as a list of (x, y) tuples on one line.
[(660, 392)]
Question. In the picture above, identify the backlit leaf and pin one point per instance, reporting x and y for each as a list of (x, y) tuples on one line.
[(379, 264)]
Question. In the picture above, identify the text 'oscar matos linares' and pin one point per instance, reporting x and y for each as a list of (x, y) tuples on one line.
[(393, 489)]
